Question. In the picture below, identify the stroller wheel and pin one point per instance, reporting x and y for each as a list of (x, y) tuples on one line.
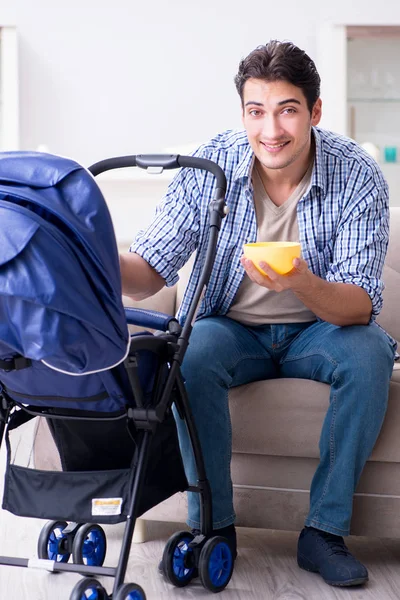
[(178, 559), (89, 546), (215, 564), (88, 589), (130, 591), (52, 542)]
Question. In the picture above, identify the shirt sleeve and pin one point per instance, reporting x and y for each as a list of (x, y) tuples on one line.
[(362, 240), (172, 237)]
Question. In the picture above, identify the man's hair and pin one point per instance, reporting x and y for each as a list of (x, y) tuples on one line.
[(280, 61)]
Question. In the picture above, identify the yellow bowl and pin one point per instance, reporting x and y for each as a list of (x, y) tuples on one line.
[(279, 255)]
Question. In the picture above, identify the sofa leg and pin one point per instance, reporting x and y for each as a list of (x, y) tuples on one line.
[(139, 534)]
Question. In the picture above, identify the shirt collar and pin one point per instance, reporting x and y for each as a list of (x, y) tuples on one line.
[(245, 166), (318, 178)]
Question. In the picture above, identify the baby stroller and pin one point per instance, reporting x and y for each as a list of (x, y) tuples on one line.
[(66, 356)]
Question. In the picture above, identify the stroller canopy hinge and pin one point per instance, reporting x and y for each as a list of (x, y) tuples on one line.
[(16, 363)]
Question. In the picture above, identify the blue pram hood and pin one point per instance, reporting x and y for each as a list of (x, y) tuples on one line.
[(60, 284)]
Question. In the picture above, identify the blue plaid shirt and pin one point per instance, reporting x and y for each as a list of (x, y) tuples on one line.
[(343, 220)]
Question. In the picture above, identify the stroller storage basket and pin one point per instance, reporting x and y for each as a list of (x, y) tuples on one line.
[(90, 473), (67, 495)]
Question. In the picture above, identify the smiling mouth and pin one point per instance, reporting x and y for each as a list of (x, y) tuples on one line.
[(274, 147)]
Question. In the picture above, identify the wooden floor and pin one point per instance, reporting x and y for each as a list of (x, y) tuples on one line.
[(266, 568)]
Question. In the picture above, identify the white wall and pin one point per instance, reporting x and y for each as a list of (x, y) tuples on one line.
[(104, 78)]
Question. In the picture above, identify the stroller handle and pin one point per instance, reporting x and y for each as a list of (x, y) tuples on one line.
[(156, 163), (161, 162)]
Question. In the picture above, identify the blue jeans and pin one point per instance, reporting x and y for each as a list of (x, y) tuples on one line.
[(356, 361)]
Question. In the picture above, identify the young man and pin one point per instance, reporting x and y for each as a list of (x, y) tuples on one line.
[(287, 180)]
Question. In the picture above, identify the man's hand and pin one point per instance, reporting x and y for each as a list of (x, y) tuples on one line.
[(338, 303), (297, 279)]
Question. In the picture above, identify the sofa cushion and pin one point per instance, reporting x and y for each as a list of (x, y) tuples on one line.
[(283, 417), (389, 317)]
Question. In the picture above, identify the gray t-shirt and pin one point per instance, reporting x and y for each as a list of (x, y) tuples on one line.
[(254, 304)]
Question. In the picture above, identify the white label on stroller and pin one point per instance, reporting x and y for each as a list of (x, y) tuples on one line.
[(106, 506), (41, 563)]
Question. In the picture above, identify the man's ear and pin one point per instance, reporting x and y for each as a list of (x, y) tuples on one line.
[(316, 112)]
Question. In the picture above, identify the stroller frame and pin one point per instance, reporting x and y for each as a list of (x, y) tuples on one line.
[(172, 346)]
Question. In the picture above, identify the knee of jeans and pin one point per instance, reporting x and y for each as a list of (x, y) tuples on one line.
[(208, 353), (203, 364), (362, 347)]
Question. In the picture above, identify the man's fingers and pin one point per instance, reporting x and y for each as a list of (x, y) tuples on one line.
[(255, 275), (273, 275)]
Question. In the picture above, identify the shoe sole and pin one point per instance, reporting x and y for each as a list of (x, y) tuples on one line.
[(349, 583), (307, 565)]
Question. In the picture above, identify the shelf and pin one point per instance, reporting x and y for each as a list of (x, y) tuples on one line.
[(389, 165), (376, 100)]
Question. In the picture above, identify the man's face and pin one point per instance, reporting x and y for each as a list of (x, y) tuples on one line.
[(278, 122)]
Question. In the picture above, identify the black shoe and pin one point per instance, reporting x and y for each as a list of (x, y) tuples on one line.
[(324, 553), (228, 532)]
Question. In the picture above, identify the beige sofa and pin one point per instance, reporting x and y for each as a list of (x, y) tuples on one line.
[(276, 426)]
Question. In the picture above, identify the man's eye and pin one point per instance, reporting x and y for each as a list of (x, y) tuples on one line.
[(289, 111), (255, 113)]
